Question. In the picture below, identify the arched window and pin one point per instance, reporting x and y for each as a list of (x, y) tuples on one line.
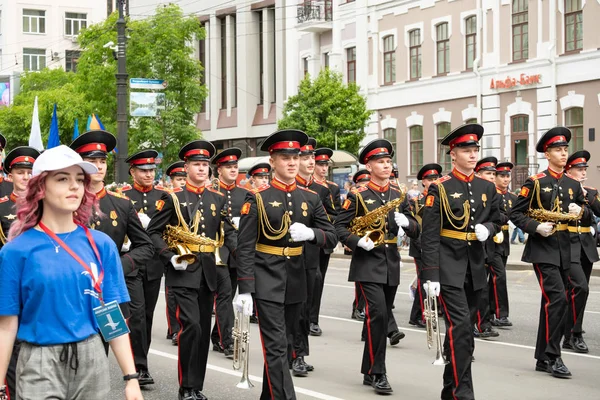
[(415, 53), (416, 148), (443, 48), (574, 121), (471, 40), (443, 159), (390, 134), (520, 29), (389, 60)]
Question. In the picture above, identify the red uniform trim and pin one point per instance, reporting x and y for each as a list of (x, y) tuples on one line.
[(469, 137), (284, 146), (451, 340), (262, 342), (142, 161), (559, 138), (195, 152), (378, 150), (92, 147), (140, 188), (545, 296), (179, 346), (496, 300), (369, 336), (573, 301)]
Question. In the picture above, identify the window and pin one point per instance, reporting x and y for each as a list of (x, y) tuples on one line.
[(574, 121), (389, 60), (261, 55), (443, 159), (390, 134), (573, 25), (326, 60), (471, 36), (74, 22), (202, 58), (520, 30), (223, 26), (415, 53), (443, 49), (305, 66), (416, 148), (351, 64), (34, 59), (71, 60), (34, 21), (233, 54)]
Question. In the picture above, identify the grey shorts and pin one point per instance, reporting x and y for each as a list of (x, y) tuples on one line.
[(76, 371)]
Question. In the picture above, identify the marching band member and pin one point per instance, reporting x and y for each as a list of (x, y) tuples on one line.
[(548, 247), (461, 212), (276, 222), (259, 175), (6, 187)]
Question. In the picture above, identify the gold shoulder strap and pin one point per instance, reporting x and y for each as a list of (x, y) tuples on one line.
[(182, 222), (265, 225), (447, 210)]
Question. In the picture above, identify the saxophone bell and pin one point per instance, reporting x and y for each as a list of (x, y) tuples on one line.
[(376, 236), (184, 254)]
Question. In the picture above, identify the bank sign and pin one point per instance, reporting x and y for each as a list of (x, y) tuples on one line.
[(511, 82)]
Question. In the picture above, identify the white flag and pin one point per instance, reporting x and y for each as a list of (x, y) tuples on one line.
[(35, 137)]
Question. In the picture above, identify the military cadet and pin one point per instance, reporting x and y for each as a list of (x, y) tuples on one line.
[(375, 267), (176, 172), (548, 247), (427, 175), (277, 221), (461, 211), (17, 165), (227, 166), (259, 175), (6, 187), (322, 159), (486, 170), (120, 221), (583, 255), (199, 214)]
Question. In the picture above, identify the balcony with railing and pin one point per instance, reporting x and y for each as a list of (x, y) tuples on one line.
[(315, 16)]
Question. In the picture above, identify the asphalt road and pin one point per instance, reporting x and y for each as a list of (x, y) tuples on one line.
[(504, 366)]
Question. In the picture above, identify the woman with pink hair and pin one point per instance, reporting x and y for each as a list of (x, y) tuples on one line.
[(57, 279)]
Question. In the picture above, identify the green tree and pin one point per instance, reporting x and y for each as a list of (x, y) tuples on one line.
[(328, 110)]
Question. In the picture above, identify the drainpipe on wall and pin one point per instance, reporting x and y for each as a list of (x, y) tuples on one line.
[(478, 60)]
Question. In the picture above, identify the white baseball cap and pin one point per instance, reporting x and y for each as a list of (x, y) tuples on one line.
[(60, 157)]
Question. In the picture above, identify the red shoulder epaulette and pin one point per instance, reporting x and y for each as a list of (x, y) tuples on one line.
[(176, 190), (361, 189), (126, 187), (161, 188), (499, 191), (442, 179), (537, 176), (396, 188), (324, 184), (307, 189), (214, 191), (241, 187), (116, 194), (3, 199), (260, 188), (332, 183)]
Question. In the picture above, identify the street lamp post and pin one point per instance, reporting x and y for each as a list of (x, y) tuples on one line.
[(122, 169)]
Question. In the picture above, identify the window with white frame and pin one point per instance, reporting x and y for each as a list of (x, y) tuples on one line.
[(443, 48), (71, 60), (471, 41), (415, 53), (34, 21), (74, 22), (351, 64), (416, 148), (34, 59), (390, 134), (443, 129)]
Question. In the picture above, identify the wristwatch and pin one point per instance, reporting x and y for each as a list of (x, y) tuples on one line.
[(132, 376)]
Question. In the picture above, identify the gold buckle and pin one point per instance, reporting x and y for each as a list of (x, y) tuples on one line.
[(286, 251)]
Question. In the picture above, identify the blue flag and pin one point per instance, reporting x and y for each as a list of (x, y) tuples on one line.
[(53, 138), (76, 129)]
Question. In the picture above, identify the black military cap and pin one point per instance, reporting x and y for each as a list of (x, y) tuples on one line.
[(260, 169), (285, 141), (504, 168), (377, 148), (227, 156), (2, 142), (486, 164), (555, 137), (197, 150), (362, 175), (176, 169), (578, 159), (145, 159), (463, 136), (432, 170), (20, 157), (309, 147), (323, 155), (94, 144)]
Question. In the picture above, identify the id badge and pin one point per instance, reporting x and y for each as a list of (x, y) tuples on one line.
[(110, 320)]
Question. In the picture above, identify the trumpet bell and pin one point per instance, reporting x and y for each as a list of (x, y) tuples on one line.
[(244, 384)]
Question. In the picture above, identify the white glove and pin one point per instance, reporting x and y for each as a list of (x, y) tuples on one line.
[(126, 245), (182, 266), (243, 303), (144, 219), (574, 209), (592, 231), (300, 232), (401, 219), (511, 225), (435, 288), (545, 229), (236, 222), (401, 232), (481, 232), (366, 243)]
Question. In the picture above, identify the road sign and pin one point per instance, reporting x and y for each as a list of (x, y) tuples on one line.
[(141, 83)]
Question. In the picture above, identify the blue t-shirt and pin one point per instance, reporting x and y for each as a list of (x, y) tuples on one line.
[(51, 292)]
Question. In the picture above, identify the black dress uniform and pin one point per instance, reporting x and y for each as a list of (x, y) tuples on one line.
[(6, 187), (583, 253), (453, 256), (227, 273), (22, 157), (272, 267), (360, 177), (550, 256), (193, 287), (376, 272)]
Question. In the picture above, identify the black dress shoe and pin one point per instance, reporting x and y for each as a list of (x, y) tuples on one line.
[(308, 367), (315, 330), (475, 331), (543, 366), (175, 340), (186, 394), (559, 369), (578, 344), (228, 351), (198, 395), (381, 384), (217, 347), (145, 378), (567, 343), (358, 315), (418, 323), (253, 319), (395, 337), (171, 336), (488, 333), (298, 367), (367, 380), (501, 322)]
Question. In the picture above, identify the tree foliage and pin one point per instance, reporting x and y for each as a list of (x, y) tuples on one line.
[(325, 108)]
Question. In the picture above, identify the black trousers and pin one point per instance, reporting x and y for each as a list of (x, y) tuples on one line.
[(172, 324), (498, 289), (319, 285), (587, 266), (194, 313), (553, 310), (301, 329), (233, 279), (460, 307), (359, 301), (137, 321), (11, 372), (276, 339), (416, 312), (577, 295), (221, 333), (151, 293)]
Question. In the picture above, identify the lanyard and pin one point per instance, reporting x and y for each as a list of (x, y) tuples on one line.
[(95, 282)]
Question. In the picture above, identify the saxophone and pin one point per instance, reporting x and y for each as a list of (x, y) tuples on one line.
[(540, 214), (372, 223)]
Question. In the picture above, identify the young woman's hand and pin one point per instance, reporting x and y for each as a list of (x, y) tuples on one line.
[(132, 390)]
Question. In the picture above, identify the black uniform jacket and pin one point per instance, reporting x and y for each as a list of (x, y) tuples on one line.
[(446, 259), (8, 214), (211, 206), (555, 249), (416, 207), (118, 220), (235, 196), (382, 264), (581, 239), (6, 187), (278, 278), (335, 194), (507, 200)]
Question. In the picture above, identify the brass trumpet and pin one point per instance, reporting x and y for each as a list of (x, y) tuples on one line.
[(432, 323), (241, 347)]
